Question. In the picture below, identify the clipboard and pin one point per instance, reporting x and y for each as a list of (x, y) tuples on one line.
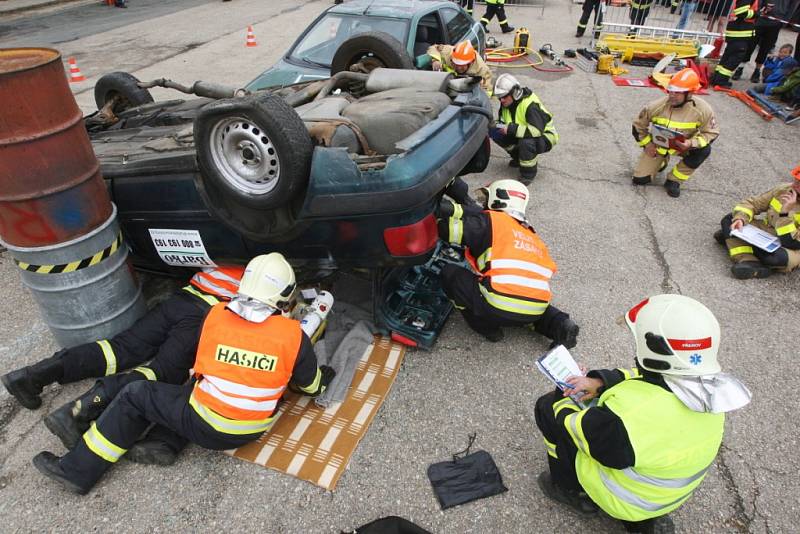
[(665, 137)]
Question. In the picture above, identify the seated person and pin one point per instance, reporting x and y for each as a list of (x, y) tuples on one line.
[(776, 77), (461, 60), (779, 61), (777, 212), (784, 91)]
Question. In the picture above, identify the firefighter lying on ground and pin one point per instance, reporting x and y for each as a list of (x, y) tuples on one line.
[(510, 281), (461, 60), (680, 112), (166, 334), (524, 129), (646, 445), (246, 356), (777, 212)]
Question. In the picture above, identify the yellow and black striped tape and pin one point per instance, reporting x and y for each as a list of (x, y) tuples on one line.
[(75, 265)]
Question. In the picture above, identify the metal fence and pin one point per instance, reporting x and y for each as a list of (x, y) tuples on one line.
[(697, 20)]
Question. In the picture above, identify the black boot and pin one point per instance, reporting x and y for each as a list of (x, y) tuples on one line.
[(737, 74), (26, 384), (566, 333), (673, 188), (74, 418), (151, 452), (658, 525), (579, 502), (580, 32), (48, 464), (506, 28), (719, 237), (744, 270), (642, 180), (756, 76)]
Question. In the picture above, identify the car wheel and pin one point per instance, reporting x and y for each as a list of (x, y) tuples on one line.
[(372, 50), (255, 150), (122, 85)]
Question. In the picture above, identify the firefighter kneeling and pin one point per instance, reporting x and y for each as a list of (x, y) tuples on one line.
[(682, 113), (646, 445), (247, 355), (513, 266), (525, 128)]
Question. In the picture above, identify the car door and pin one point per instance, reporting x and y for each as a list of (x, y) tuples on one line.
[(459, 26), (427, 31)]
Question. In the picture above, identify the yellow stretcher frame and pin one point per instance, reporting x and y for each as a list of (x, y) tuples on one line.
[(632, 44)]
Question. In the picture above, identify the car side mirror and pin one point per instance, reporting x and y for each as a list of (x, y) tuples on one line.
[(423, 62)]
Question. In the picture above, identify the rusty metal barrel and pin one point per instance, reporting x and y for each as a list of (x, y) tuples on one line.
[(51, 185), (56, 218)]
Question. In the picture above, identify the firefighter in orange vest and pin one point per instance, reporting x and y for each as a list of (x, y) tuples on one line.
[(247, 355), (510, 281), (161, 330)]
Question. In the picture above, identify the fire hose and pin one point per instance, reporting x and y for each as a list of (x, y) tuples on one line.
[(511, 55)]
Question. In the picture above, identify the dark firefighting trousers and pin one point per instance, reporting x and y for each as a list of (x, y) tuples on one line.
[(735, 53), (461, 286), (740, 251), (137, 406), (491, 11), (172, 327), (588, 7), (468, 5), (561, 452), (525, 152), (638, 16)]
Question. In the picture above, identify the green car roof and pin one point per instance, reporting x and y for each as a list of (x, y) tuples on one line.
[(402, 9)]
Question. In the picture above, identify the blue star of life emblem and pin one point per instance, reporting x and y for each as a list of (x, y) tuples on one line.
[(695, 359)]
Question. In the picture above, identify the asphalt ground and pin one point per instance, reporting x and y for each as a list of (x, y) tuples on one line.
[(614, 243)]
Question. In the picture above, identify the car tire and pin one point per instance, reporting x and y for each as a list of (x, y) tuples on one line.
[(124, 85), (382, 49), (254, 150)]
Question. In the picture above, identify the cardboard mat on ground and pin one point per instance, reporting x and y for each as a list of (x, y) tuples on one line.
[(315, 444)]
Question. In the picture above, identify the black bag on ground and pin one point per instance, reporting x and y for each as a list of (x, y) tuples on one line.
[(465, 479), (390, 525)]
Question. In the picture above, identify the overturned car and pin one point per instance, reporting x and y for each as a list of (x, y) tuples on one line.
[(337, 173)]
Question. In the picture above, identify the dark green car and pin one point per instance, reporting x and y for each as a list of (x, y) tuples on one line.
[(413, 26)]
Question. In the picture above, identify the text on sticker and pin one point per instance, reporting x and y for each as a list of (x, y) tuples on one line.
[(243, 358)]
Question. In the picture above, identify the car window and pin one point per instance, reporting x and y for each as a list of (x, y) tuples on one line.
[(429, 32), (457, 24), (323, 39)]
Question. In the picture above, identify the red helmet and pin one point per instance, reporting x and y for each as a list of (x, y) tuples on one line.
[(684, 81)]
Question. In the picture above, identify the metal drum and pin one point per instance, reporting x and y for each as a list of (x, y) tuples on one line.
[(85, 288), (51, 190)]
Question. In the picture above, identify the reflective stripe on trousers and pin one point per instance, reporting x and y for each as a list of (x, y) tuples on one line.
[(108, 354)]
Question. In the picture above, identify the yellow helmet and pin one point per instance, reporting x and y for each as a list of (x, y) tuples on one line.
[(269, 279)]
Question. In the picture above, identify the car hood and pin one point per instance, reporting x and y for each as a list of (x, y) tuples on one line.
[(284, 73)]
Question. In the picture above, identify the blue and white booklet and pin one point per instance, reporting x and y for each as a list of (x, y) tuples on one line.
[(758, 237), (557, 365)]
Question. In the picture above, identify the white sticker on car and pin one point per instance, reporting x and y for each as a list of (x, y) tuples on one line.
[(182, 248)]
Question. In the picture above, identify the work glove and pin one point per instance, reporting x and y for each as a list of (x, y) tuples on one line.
[(328, 373), (445, 209)]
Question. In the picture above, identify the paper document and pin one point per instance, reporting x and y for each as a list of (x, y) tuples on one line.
[(557, 365), (665, 137), (757, 237)]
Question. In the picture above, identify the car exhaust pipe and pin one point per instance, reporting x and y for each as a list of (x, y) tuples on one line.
[(199, 88)]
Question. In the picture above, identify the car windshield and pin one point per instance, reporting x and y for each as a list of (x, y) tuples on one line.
[(322, 40)]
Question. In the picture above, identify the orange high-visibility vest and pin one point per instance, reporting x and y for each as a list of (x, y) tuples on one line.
[(222, 282), (245, 366), (516, 268)]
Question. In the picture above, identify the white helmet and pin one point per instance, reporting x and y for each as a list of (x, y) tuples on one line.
[(509, 196), (269, 279), (675, 335), (505, 84)]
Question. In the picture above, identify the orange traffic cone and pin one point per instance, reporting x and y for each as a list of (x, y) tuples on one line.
[(74, 72), (251, 38)]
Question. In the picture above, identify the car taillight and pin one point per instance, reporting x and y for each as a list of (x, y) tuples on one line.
[(413, 239)]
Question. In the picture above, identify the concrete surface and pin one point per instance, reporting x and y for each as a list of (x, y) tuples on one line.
[(614, 244)]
